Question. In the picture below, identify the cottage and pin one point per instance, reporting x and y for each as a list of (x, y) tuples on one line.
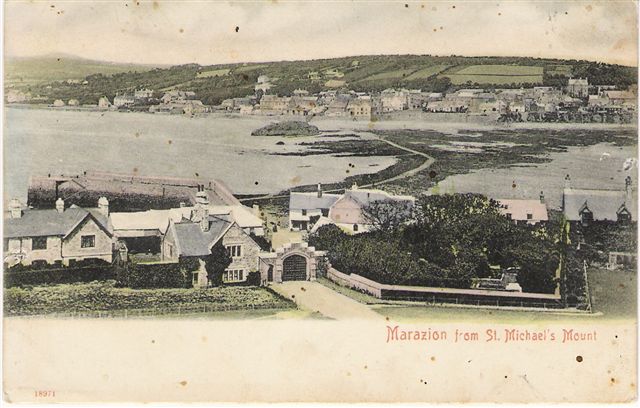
[(360, 108), (104, 103), (196, 237), (306, 208), (596, 205), (578, 87), (57, 235), (530, 212), (348, 211)]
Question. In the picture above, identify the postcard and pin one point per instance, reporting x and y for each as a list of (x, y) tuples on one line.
[(320, 201)]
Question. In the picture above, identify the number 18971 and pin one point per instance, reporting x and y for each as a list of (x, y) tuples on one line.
[(45, 394)]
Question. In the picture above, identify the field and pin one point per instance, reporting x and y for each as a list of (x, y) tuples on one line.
[(213, 73), (400, 73), (495, 74), (427, 72), (90, 298)]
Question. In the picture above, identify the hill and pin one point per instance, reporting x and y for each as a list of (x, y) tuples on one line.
[(214, 83), (27, 71)]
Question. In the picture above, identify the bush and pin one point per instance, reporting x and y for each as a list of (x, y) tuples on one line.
[(253, 279), (160, 275)]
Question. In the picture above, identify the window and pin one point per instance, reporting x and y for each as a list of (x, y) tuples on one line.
[(87, 241), (39, 243), (233, 275), (355, 227), (194, 278), (529, 216), (234, 251), (325, 212), (304, 212)]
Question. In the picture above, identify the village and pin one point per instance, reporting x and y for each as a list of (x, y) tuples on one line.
[(151, 232), (579, 102)]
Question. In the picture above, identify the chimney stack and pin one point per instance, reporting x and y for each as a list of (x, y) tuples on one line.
[(354, 186), (202, 210), (103, 206), (15, 208), (567, 181), (627, 187), (542, 197), (319, 190), (60, 205)]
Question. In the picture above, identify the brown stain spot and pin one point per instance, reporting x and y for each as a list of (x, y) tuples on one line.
[(387, 318), (303, 289), (183, 383), (435, 29), (169, 141), (181, 30), (433, 358), (237, 29), (293, 296), (155, 5), (422, 6), (514, 185), (406, 5), (135, 169), (153, 342), (588, 7), (579, 359), (348, 374), (613, 380), (365, 367), (137, 134), (204, 339), (499, 13), (295, 180)]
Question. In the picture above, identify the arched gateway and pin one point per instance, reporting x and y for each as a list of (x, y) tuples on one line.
[(292, 262)]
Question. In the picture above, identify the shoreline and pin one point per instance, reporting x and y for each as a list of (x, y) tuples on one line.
[(422, 120)]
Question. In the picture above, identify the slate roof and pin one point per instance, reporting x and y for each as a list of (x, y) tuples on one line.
[(604, 204), (192, 241), (367, 196), (520, 208), (311, 201), (49, 222)]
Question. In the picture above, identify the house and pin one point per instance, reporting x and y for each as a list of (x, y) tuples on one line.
[(392, 100), (73, 102), (360, 108), (578, 87), (306, 208), (123, 100), (338, 106), (143, 93), (103, 102), (348, 211), (58, 103), (196, 237), (597, 205), (274, 105), (143, 231), (57, 236), (530, 212), (177, 97), (313, 75)]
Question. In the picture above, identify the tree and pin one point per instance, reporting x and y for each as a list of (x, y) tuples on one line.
[(387, 215), (217, 263)]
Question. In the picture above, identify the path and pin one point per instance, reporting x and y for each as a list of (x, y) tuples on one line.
[(427, 163), (316, 297)]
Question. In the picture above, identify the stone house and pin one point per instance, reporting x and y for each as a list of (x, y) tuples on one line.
[(196, 237), (360, 108), (57, 235), (578, 87)]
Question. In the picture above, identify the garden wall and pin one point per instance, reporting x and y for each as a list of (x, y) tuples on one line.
[(478, 297)]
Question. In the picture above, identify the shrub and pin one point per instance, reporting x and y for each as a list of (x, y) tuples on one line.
[(253, 279), (21, 275), (160, 275)]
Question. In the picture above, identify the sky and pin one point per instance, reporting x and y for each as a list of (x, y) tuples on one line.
[(214, 32)]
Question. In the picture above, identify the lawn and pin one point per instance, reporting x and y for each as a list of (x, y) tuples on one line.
[(104, 297), (613, 293)]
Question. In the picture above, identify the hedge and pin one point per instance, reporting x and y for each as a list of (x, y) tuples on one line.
[(82, 271)]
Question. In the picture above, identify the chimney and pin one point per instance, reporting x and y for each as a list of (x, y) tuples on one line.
[(354, 186), (15, 208), (319, 190), (103, 206), (202, 210), (60, 205), (542, 197), (567, 181), (627, 187)]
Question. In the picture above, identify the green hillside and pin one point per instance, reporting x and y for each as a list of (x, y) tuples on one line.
[(214, 83), (22, 72)]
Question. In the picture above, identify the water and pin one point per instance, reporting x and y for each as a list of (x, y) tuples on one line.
[(41, 141), (597, 166)]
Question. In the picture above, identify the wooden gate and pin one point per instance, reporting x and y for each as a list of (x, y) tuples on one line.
[(294, 268)]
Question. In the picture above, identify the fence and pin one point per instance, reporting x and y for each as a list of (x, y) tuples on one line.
[(478, 297), (173, 310)]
